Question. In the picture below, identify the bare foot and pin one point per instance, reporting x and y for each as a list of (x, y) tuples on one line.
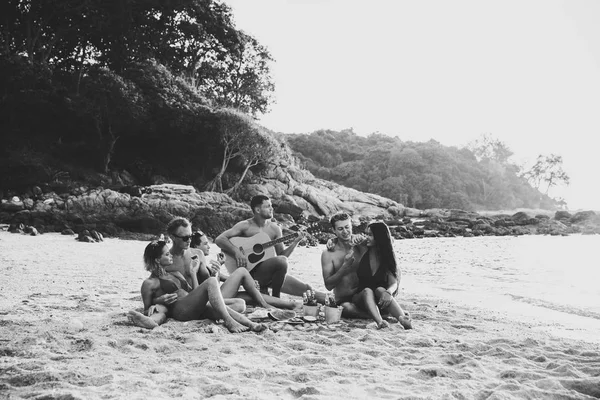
[(235, 327), (383, 324), (141, 320), (257, 327), (405, 321)]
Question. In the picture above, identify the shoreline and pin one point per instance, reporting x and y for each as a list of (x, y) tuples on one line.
[(69, 300)]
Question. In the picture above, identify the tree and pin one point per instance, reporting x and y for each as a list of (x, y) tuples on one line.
[(115, 106), (547, 169), (490, 148), (236, 134), (241, 79), (256, 147)]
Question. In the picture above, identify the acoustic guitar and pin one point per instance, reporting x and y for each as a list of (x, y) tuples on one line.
[(257, 248)]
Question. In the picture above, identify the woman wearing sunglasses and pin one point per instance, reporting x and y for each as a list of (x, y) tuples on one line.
[(168, 294)]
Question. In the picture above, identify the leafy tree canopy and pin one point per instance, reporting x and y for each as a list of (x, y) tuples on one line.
[(421, 175)]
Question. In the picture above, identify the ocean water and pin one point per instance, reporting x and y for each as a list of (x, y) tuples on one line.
[(551, 282)]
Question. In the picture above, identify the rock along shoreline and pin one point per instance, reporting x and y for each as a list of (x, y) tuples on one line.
[(141, 213)]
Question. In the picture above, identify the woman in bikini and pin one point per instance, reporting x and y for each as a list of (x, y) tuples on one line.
[(168, 294), (232, 283), (378, 277)]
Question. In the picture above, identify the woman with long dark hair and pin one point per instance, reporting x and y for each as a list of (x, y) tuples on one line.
[(378, 277), (168, 294)]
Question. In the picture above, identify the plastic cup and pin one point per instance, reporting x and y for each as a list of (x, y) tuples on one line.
[(312, 311), (333, 314)]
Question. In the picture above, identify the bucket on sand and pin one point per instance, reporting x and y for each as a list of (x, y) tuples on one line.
[(333, 314), (312, 311)]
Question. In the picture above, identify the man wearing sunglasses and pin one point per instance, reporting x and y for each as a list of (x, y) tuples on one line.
[(179, 230)]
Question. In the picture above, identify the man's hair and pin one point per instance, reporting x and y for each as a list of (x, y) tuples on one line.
[(257, 201), (175, 223), (341, 216)]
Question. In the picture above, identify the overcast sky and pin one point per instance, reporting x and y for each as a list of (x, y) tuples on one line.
[(525, 71)]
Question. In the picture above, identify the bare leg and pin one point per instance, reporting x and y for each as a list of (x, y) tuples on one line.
[(271, 301), (350, 310), (366, 300), (296, 287), (157, 315), (402, 316), (241, 276), (236, 304), (195, 305), (271, 273), (142, 321), (255, 327)]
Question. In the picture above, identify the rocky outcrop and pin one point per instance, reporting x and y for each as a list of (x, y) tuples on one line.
[(298, 197), (300, 190), (114, 213), (452, 223)]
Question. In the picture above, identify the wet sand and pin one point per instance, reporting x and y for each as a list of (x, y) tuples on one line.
[(64, 334)]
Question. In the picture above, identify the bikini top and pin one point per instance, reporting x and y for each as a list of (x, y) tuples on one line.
[(169, 286)]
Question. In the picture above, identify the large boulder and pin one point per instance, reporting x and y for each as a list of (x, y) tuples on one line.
[(12, 205), (582, 216)]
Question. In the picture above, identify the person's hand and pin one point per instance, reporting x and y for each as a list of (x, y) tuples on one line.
[(167, 299), (214, 268), (301, 236), (359, 239), (385, 299), (194, 265), (240, 259), (348, 259), (330, 244)]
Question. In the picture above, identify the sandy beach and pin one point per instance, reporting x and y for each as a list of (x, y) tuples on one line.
[(64, 334)]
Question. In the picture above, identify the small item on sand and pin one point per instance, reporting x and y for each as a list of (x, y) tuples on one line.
[(281, 315), (309, 318), (259, 313), (294, 321)]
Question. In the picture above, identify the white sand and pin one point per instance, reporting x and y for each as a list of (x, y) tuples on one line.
[(64, 334)]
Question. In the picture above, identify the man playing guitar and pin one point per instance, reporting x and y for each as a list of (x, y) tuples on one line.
[(270, 271)]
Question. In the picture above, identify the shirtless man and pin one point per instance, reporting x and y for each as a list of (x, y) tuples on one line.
[(339, 266), (271, 272)]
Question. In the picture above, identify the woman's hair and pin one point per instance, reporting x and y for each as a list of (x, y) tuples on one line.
[(153, 251), (196, 239), (383, 246)]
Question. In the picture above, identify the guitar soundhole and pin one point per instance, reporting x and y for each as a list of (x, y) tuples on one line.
[(257, 248)]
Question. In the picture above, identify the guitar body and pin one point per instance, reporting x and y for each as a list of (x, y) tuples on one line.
[(252, 247)]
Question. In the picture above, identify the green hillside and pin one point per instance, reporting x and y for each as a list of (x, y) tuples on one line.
[(420, 175)]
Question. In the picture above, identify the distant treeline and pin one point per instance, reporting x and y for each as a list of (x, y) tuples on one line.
[(421, 175)]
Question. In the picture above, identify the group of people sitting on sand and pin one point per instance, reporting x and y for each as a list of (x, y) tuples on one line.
[(184, 285)]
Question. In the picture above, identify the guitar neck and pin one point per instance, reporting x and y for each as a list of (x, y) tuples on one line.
[(280, 240)]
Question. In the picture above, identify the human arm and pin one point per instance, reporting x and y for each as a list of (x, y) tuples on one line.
[(149, 290), (287, 251), (194, 268), (225, 244), (355, 240), (384, 294), (331, 277)]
